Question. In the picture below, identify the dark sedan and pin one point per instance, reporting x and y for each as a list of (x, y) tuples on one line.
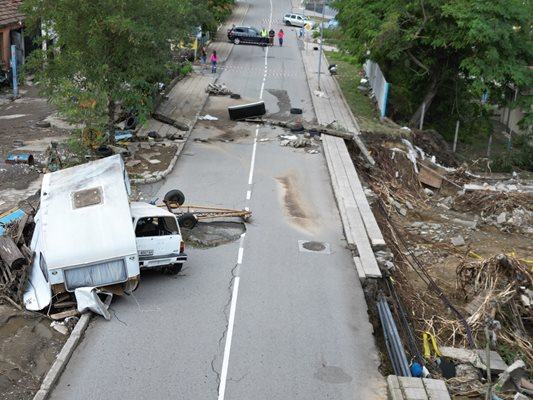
[(245, 34)]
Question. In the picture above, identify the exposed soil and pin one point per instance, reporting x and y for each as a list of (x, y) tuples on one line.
[(28, 348), (20, 135), (448, 234)]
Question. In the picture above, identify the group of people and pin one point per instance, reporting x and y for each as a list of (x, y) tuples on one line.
[(268, 37), (213, 59), (267, 40)]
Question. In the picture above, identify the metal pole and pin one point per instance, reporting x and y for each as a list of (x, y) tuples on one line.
[(455, 137), (321, 40), (422, 116), (14, 70)]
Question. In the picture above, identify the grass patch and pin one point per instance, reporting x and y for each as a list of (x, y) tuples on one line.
[(349, 74)]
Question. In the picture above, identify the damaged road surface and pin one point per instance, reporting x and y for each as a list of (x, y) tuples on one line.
[(279, 312)]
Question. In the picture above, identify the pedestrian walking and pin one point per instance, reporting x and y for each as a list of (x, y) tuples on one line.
[(264, 38), (271, 34), (214, 60), (280, 37), (203, 57)]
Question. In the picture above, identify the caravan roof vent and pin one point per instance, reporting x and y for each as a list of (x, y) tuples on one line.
[(87, 197)]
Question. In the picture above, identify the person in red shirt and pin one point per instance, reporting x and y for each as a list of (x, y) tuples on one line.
[(280, 37), (214, 59)]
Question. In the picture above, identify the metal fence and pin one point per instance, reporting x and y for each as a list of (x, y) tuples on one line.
[(379, 85)]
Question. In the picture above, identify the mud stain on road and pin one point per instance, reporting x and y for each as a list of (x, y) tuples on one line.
[(298, 210), (284, 102)]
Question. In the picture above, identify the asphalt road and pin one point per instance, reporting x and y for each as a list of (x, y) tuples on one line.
[(259, 318)]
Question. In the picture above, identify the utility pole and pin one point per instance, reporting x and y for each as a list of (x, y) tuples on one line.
[(14, 70), (321, 25)]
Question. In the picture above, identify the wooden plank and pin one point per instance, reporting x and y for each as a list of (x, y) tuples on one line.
[(64, 314), (430, 174)]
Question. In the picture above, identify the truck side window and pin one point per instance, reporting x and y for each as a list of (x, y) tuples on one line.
[(156, 226)]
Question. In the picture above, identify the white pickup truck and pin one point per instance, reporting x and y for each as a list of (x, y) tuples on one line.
[(88, 234)]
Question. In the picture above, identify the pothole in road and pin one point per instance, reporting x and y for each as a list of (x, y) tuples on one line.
[(314, 247), (212, 234)]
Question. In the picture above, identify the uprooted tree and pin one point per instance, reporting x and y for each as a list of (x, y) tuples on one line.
[(455, 51), (104, 53)]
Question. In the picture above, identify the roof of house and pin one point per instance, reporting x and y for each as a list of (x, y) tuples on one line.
[(9, 12)]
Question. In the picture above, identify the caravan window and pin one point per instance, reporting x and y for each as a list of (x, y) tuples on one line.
[(156, 226)]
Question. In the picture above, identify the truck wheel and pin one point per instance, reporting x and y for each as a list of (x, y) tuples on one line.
[(236, 40), (187, 221), (173, 269), (175, 196)]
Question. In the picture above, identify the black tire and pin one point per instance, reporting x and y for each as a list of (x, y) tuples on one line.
[(175, 196), (235, 96), (131, 123), (104, 151), (296, 110), (173, 269), (297, 128), (187, 221), (236, 40), (287, 23)]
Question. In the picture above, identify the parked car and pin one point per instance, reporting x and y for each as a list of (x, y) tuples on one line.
[(244, 34), (297, 20)]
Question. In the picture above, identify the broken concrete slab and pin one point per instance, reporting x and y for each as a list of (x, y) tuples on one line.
[(458, 241), (132, 163), (501, 218)]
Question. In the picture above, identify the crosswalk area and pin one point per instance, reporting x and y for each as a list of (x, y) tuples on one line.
[(271, 72)]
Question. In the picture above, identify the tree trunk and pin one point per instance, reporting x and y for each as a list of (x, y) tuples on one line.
[(428, 98), (111, 105)]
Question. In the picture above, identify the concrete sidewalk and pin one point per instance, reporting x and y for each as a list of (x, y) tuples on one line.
[(187, 98)]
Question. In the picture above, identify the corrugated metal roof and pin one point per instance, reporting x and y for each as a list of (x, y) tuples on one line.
[(9, 12)]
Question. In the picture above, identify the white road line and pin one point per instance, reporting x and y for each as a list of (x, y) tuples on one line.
[(229, 337), (239, 257), (252, 162), (235, 293)]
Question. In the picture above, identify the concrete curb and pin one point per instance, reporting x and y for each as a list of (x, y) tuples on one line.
[(62, 358)]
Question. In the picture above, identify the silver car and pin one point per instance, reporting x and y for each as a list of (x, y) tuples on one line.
[(297, 20)]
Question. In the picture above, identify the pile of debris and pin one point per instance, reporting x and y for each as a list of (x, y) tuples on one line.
[(509, 211), (15, 259)]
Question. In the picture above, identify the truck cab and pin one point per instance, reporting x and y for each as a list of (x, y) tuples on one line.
[(158, 238)]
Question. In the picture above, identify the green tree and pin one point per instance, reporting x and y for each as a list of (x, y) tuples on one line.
[(455, 51), (104, 53)]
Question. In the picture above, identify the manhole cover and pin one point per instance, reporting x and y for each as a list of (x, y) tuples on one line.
[(313, 246)]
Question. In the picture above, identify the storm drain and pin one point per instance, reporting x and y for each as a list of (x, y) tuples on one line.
[(314, 247)]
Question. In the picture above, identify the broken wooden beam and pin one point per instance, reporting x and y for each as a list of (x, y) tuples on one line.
[(170, 121), (10, 253)]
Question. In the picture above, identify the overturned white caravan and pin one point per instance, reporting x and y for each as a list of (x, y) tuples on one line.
[(84, 236)]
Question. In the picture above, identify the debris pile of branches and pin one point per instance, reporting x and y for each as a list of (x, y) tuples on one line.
[(488, 203), (499, 289), (393, 177), (15, 260)]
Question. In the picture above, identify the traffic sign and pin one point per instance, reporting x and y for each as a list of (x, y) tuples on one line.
[(308, 27)]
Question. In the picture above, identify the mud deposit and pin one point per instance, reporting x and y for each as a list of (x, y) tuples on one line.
[(211, 234), (28, 348), (297, 209)]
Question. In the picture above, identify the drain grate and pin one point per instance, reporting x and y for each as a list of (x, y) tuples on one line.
[(313, 247)]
